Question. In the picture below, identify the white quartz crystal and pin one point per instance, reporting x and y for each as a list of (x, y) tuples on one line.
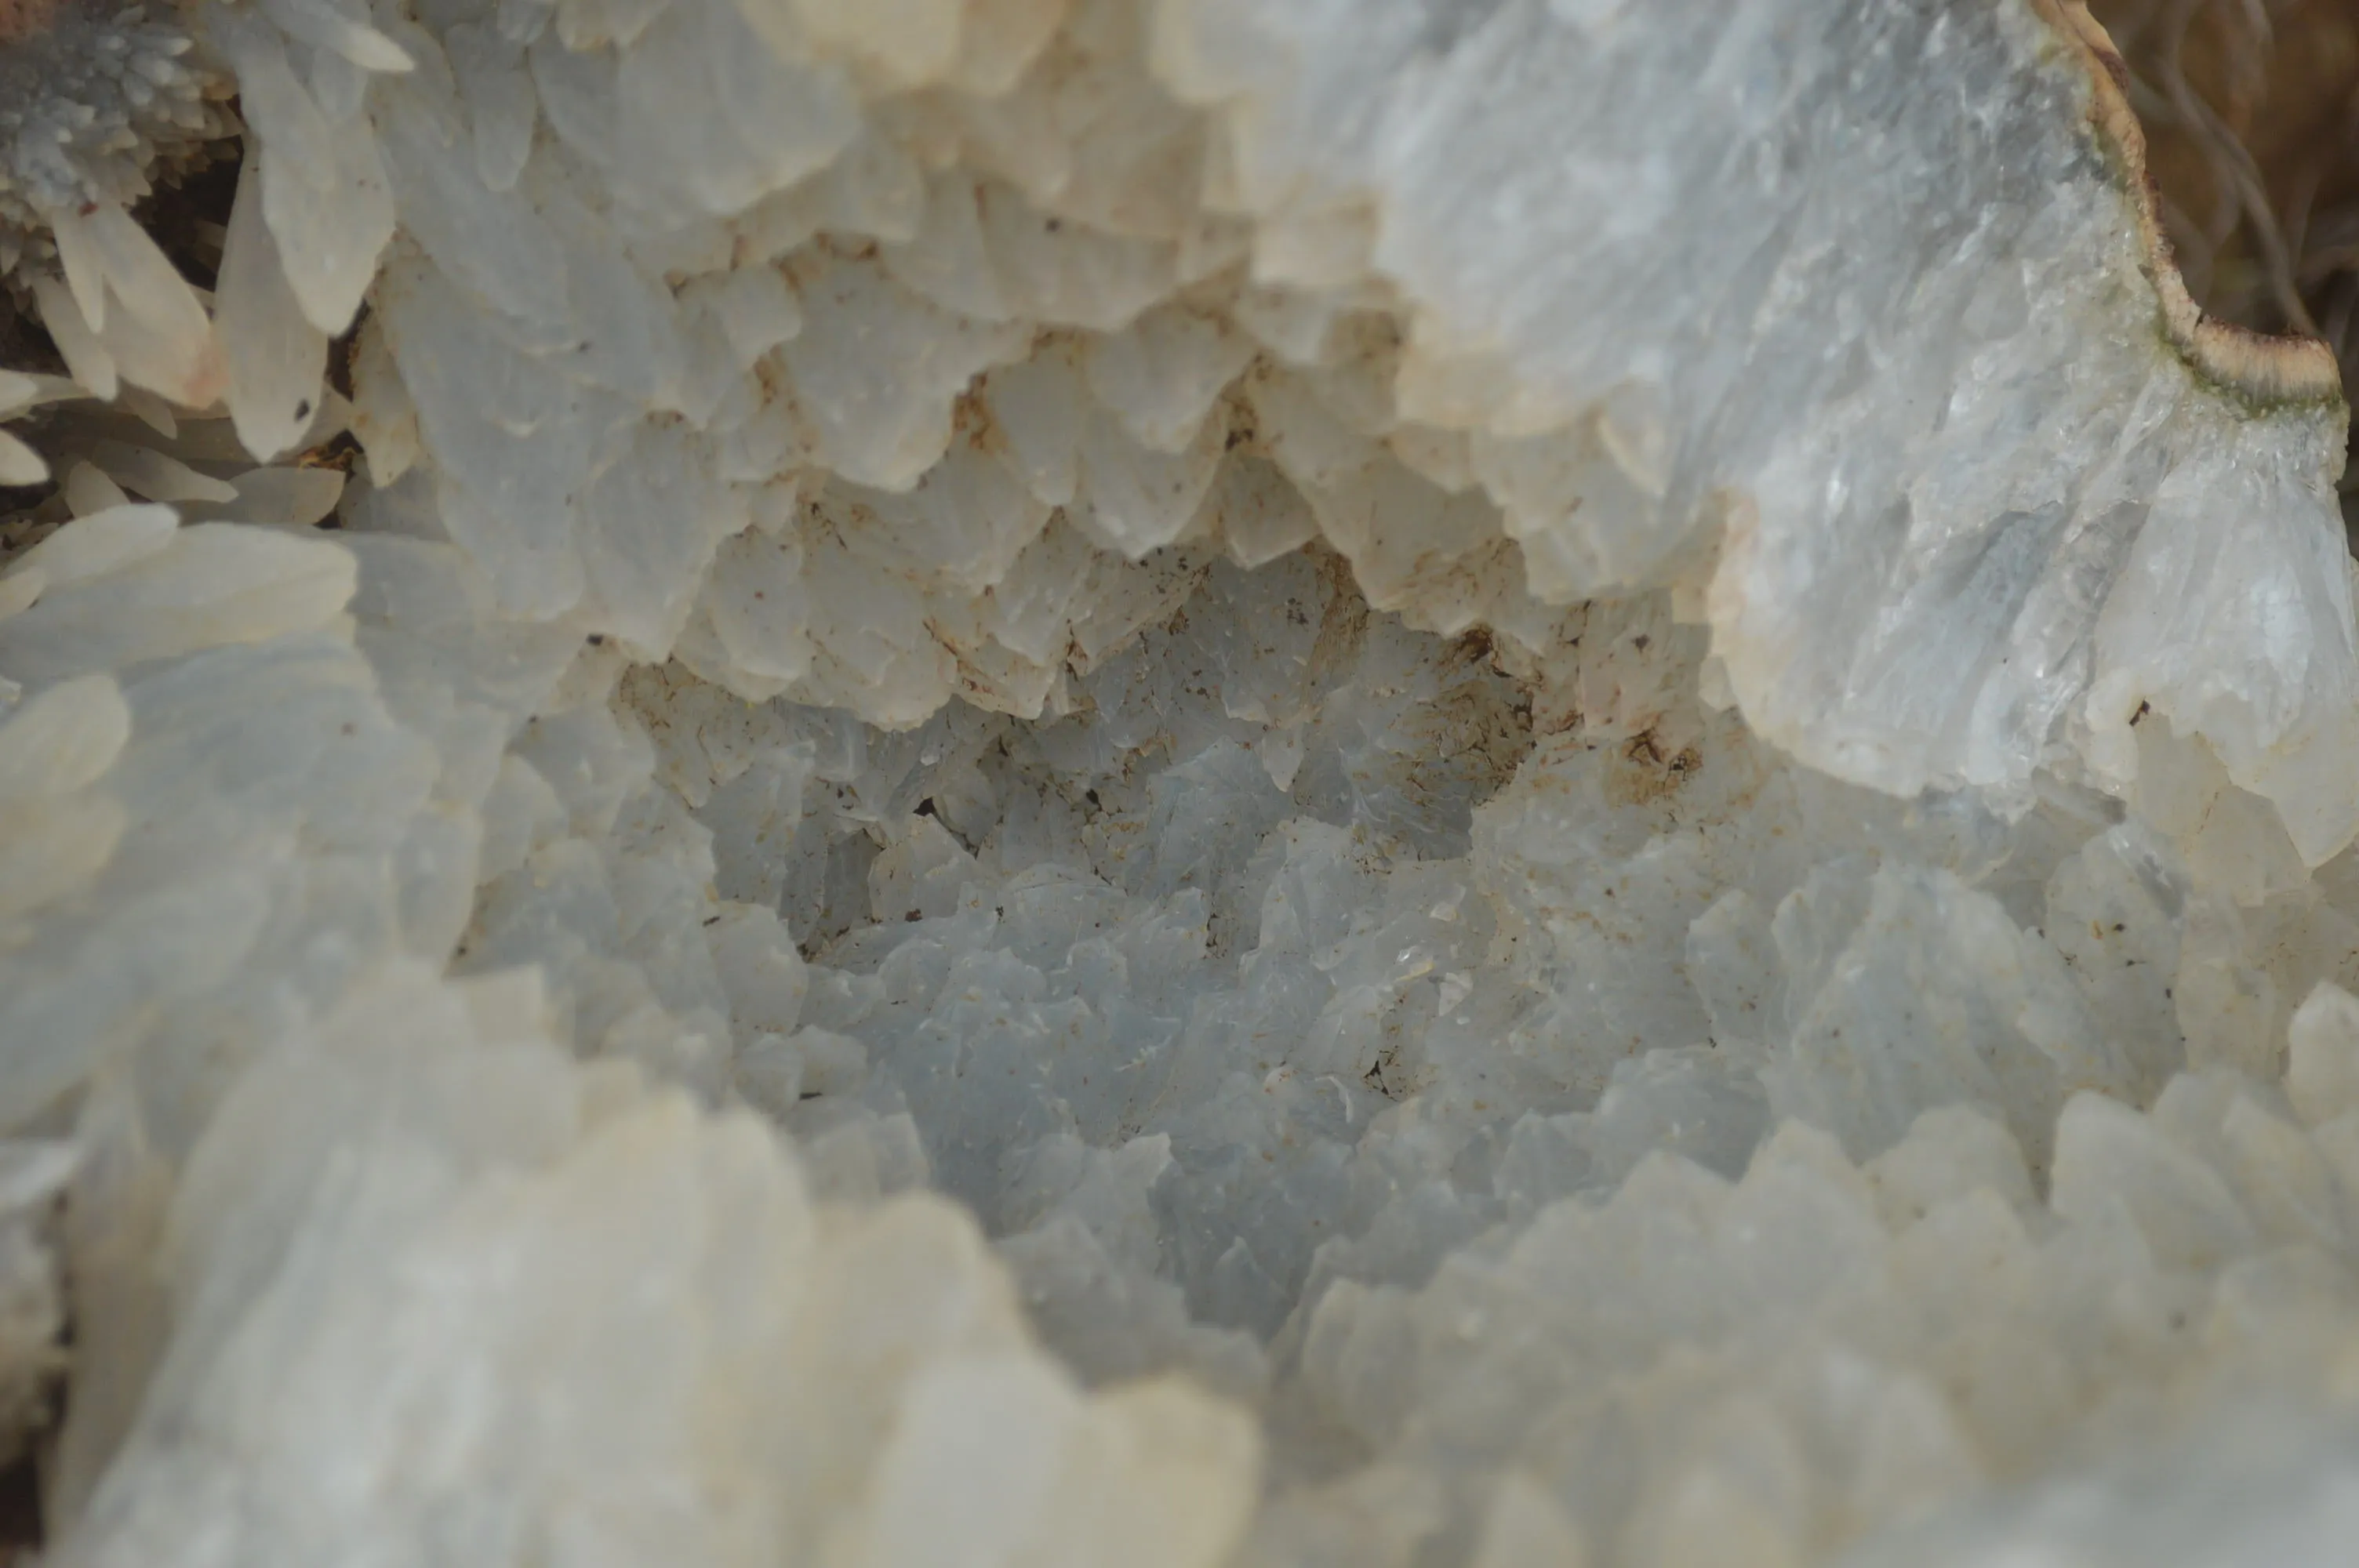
[(93, 99), (1183, 782)]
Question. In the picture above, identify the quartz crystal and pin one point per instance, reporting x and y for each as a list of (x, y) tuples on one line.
[(1176, 782)]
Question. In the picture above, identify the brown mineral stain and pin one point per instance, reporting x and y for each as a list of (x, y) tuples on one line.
[(21, 19), (1643, 773)]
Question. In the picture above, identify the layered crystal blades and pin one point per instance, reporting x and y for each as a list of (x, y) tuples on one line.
[(1903, 348), (1185, 782)]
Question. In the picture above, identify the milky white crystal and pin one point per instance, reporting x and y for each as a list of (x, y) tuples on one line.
[(1172, 780)]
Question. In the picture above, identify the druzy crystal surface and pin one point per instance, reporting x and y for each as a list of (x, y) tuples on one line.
[(1167, 782)]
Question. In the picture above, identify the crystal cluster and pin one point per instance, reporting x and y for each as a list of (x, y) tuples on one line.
[(1171, 781), (95, 99)]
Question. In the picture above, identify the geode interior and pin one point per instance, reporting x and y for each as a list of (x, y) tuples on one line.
[(1161, 781)]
